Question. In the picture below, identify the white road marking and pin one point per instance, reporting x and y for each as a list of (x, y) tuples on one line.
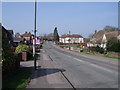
[(79, 60), (101, 68), (94, 65), (91, 64)]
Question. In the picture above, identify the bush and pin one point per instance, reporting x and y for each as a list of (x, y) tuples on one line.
[(8, 58), (97, 49), (113, 45), (84, 50), (23, 47)]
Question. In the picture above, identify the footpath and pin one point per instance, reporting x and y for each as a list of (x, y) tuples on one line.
[(48, 74)]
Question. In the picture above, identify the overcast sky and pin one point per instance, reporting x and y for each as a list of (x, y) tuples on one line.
[(78, 17)]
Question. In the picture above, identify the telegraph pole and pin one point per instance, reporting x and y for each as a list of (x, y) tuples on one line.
[(34, 41)]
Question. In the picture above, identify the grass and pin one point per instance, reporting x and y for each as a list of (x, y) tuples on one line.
[(19, 80), (101, 54), (74, 50), (111, 57), (89, 53)]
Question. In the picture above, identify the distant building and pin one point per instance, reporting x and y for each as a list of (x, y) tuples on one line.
[(48, 37), (27, 36), (74, 38)]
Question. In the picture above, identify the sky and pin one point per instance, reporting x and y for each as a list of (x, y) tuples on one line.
[(77, 17)]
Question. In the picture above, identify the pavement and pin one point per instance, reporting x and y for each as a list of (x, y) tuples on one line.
[(48, 74)]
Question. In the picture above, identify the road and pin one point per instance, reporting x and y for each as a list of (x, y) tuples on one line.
[(84, 72)]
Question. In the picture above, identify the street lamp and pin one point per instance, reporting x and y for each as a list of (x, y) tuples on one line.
[(34, 41)]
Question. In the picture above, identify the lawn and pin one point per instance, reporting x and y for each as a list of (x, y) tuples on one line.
[(19, 80)]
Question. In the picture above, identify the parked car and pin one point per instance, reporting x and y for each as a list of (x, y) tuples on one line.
[(41, 46)]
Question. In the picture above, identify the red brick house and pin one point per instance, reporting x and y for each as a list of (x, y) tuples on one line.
[(27, 36)]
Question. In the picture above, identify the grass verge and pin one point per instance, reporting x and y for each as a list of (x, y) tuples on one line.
[(19, 80), (111, 57), (89, 53), (74, 50)]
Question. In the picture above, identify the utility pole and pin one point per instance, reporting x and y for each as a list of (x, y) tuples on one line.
[(34, 41)]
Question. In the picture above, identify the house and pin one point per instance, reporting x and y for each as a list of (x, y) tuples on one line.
[(101, 37), (107, 36), (86, 40), (71, 39), (9, 35), (27, 36), (17, 41)]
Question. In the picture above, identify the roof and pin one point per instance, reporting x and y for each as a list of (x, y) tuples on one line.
[(10, 31), (18, 39), (97, 38), (112, 34), (26, 34), (73, 35)]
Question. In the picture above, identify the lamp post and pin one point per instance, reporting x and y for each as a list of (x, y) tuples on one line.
[(34, 41)]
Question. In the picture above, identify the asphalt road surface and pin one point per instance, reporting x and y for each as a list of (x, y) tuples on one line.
[(84, 72)]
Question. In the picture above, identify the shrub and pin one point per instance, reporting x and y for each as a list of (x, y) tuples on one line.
[(113, 45), (97, 49), (23, 47), (84, 50), (8, 59)]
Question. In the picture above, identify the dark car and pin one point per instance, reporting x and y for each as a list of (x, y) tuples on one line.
[(41, 46)]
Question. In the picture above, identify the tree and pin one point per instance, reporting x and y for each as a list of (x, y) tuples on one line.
[(110, 28), (91, 36), (17, 34), (56, 36), (113, 45)]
